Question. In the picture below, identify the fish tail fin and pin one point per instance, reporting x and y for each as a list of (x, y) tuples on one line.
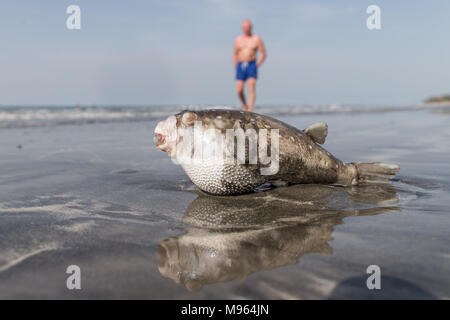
[(376, 171)]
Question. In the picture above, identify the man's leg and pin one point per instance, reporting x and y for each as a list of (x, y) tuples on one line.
[(240, 92), (251, 91)]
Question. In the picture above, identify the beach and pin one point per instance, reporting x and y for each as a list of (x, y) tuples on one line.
[(89, 188)]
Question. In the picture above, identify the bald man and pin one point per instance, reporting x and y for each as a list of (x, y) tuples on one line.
[(246, 47)]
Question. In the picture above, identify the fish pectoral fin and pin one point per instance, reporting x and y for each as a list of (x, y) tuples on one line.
[(318, 132)]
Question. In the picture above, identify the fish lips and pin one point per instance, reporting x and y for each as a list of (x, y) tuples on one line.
[(160, 141), (163, 131)]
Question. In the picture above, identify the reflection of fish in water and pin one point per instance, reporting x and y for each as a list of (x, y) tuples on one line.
[(231, 237)]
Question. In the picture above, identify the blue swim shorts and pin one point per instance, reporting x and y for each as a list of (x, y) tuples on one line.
[(245, 70)]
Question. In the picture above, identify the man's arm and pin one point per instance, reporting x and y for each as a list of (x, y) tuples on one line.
[(235, 53), (262, 50)]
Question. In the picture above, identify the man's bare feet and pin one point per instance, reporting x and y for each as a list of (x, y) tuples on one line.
[(244, 107)]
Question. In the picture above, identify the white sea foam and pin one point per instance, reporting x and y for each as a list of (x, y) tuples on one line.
[(39, 116), (12, 258)]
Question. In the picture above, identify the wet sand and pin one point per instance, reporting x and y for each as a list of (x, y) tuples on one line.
[(102, 197)]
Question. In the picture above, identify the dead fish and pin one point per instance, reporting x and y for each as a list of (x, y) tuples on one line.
[(295, 156)]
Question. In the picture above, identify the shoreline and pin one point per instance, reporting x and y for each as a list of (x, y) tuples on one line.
[(102, 196)]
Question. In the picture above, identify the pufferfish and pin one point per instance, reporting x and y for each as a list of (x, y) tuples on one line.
[(275, 153)]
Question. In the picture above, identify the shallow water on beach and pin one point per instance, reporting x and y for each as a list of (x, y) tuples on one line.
[(102, 197)]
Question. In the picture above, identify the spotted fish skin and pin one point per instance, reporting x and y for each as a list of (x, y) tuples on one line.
[(300, 157)]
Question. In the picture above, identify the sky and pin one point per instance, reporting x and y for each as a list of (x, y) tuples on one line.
[(180, 52)]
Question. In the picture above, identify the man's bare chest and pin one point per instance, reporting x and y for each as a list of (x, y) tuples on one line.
[(250, 44)]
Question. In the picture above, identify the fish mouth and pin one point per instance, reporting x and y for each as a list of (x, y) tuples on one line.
[(164, 130), (160, 141)]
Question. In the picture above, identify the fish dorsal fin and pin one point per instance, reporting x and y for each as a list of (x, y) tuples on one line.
[(318, 132)]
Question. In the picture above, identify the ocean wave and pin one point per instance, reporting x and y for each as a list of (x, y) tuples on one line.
[(14, 117)]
